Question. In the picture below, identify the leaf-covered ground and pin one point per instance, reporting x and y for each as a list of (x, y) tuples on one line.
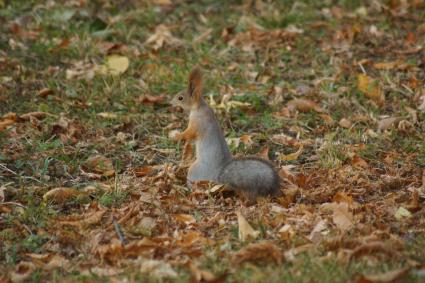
[(93, 190)]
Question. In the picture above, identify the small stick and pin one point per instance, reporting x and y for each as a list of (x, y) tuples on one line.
[(118, 231)]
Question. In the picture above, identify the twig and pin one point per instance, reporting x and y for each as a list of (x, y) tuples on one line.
[(7, 169), (118, 231), (362, 68)]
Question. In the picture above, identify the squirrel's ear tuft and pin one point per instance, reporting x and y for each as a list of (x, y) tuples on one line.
[(195, 83)]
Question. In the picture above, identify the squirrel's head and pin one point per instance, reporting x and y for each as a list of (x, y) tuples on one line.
[(190, 98)]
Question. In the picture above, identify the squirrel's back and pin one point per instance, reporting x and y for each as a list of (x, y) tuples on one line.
[(252, 176)]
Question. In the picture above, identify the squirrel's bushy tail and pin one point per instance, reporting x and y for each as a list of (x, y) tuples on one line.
[(251, 176)]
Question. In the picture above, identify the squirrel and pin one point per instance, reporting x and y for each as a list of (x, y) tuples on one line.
[(251, 176)]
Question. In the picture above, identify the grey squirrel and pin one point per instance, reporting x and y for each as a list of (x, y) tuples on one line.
[(252, 176)]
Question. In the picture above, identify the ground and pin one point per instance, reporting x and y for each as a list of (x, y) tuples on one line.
[(93, 190)]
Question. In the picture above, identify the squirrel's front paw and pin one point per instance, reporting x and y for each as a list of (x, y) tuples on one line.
[(174, 135)]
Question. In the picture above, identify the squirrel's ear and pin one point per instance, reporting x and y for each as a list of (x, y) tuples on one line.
[(195, 83)]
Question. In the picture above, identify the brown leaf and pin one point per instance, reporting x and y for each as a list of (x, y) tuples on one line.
[(142, 171), (387, 277), (386, 123), (371, 89), (303, 105), (157, 269), (38, 115), (345, 123), (161, 38), (201, 275), (343, 197), (84, 220), (246, 140), (101, 164), (386, 65), (327, 118), (258, 252), (359, 162), (291, 253), (45, 92), (371, 249), (61, 195), (49, 261), (342, 217), (184, 218), (291, 156), (264, 153), (23, 271), (6, 123), (245, 230), (151, 99)]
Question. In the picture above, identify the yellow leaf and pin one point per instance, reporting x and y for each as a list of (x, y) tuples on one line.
[(370, 88), (245, 230), (291, 156), (117, 64)]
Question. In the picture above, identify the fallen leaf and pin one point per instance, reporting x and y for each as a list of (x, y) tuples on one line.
[(371, 249), (327, 118), (303, 105), (319, 230), (157, 269), (49, 261), (371, 89), (245, 230), (343, 197), (38, 115), (161, 38), (142, 171), (291, 156), (22, 272), (258, 252), (345, 123), (101, 164), (117, 65), (386, 65), (61, 195), (264, 153), (184, 218), (84, 220), (6, 123), (291, 253), (151, 99), (386, 123), (359, 162), (286, 232), (402, 213), (246, 140), (387, 277), (341, 215), (45, 92), (201, 275)]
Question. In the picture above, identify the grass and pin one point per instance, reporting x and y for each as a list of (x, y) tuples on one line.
[(42, 42)]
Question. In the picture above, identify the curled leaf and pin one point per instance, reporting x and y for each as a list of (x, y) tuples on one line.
[(255, 252), (303, 105), (245, 230), (61, 195), (291, 156)]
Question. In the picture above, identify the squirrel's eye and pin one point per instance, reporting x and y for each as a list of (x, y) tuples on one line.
[(180, 97)]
